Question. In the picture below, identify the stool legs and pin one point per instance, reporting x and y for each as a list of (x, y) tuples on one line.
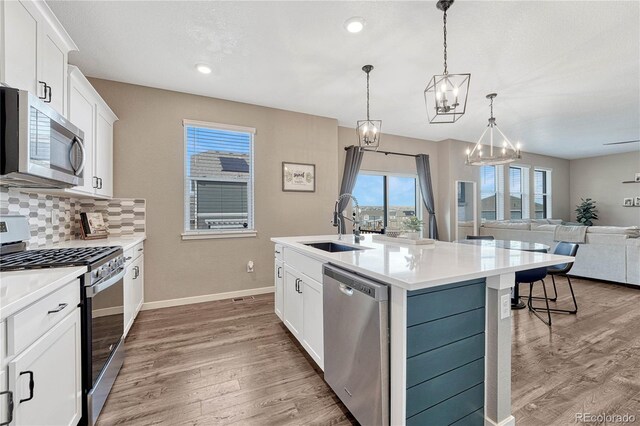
[(534, 309)]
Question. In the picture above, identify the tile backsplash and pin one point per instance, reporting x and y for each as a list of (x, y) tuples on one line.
[(53, 218)]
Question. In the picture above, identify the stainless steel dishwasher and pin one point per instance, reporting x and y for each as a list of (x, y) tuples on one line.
[(356, 343)]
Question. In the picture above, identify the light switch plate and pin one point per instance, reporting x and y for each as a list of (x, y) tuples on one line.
[(505, 306)]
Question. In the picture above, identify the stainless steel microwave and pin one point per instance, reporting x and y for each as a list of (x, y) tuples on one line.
[(39, 147)]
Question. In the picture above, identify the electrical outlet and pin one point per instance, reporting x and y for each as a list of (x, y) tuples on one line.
[(250, 266), (55, 217), (505, 306)]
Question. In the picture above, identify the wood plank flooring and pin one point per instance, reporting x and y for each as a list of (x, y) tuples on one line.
[(225, 362)]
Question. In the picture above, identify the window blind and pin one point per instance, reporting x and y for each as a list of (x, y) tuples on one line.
[(218, 178)]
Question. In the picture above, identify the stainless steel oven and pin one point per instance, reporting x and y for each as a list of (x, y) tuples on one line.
[(103, 330), (39, 147)]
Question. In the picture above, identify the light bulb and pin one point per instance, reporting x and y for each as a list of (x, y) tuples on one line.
[(203, 68), (504, 150), (455, 90), (354, 25), (468, 151), (480, 153), (438, 95), (443, 87), (504, 143), (518, 146)]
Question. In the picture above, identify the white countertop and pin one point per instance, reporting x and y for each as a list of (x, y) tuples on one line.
[(19, 289), (126, 241), (416, 267)]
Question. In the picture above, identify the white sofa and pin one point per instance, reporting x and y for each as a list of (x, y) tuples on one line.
[(610, 253)]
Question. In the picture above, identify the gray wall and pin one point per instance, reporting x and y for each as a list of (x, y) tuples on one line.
[(148, 152), (601, 178)]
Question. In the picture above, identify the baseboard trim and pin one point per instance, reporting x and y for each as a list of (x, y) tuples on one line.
[(509, 421), (205, 298)]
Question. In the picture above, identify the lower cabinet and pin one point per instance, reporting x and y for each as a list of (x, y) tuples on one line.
[(133, 291), (293, 315), (279, 293), (312, 321), (45, 377), (302, 311)]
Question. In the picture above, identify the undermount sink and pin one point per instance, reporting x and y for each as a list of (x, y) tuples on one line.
[(332, 247)]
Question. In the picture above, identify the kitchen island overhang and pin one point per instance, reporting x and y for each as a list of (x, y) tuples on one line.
[(463, 288)]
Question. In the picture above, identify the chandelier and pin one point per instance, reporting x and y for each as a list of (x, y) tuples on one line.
[(446, 95), (368, 130), (497, 154)]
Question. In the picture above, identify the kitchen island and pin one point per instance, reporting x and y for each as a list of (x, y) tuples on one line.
[(449, 316)]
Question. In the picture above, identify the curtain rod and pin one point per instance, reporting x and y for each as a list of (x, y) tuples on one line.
[(402, 154)]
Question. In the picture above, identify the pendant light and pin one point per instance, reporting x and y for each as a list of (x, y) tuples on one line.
[(368, 130), (446, 94), (497, 153)]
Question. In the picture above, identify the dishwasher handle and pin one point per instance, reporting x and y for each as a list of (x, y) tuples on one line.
[(346, 289)]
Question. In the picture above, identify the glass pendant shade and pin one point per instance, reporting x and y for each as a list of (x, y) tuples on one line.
[(446, 97), (369, 133), (446, 94), (368, 130), (498, 150)]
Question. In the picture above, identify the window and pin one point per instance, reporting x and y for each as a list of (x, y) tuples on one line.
[(218, 179), (542, 193), (491, 193), (519, 192), (386, 200)]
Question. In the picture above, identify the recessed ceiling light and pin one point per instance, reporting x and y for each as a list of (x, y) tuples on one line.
[(204, 69), (355, 24)]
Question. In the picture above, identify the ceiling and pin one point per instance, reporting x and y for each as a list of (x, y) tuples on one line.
[(567, 74)]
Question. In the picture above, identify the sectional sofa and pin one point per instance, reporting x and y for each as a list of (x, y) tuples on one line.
[(610, 253)]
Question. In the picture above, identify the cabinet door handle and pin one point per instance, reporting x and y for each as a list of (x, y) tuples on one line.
[(48, 100), (31, 385), (44, 90), (127, 258), (60, 307), (279, 271), (140, 249), (99, 183), (297, 281), (9, 407)]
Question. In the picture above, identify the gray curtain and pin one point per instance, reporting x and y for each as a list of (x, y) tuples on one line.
[(426, 190), (351, 167)]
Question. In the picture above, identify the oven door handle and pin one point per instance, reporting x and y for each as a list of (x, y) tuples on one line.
[(95, 289)]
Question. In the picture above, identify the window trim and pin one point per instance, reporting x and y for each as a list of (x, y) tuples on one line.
[(525, 190), (214, 234), (548, 193), (499, 192), (385, 175)]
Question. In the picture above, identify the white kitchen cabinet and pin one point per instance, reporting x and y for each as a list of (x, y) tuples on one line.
[(104, 150), (90, 113), (293, 315), (301, 309), (35, 51), (133, 285), (20, 62), (312, 322), (46, 377), (279, 284)]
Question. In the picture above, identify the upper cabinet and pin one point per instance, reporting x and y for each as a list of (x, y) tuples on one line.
[(92, 115), (34, 48)]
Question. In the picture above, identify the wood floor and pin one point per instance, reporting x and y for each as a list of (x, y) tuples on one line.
[(228, 362)]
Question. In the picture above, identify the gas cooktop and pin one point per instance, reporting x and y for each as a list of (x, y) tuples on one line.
[(55, 258)]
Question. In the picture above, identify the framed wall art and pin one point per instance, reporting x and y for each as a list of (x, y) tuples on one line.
[(298, 177)]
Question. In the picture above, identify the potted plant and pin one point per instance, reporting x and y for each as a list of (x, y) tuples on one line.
[(412, 227), (586, 212)]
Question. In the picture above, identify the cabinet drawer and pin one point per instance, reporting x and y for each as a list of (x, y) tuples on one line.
[(308, 266), (32, 322), (279, 252), (134, 252)]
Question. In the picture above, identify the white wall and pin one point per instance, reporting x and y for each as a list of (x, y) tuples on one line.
[(601, 178)]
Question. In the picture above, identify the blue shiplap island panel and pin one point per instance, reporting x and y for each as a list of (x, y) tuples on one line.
[(445, 355)]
